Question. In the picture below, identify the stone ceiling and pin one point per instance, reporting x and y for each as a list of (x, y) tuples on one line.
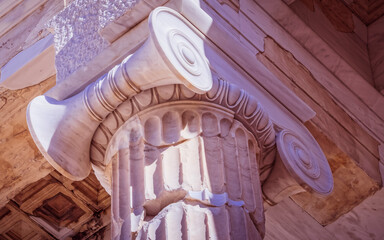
[(367, 10), (56, 208)]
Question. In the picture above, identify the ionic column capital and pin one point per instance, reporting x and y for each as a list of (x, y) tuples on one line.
[(173, 53)]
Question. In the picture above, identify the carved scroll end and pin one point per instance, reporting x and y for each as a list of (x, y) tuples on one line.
[(173, 54), (300, 166)]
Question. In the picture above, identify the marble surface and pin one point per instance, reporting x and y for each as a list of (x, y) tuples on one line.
[(363, 222), (87, 24), (340, 42), (345, 133), (352, 93), (29, 30), (288, 221), (376, 46), (20, 161), (31, 66)]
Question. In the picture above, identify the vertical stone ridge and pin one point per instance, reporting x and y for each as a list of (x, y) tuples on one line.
[(213, 164), (245, 170), (231, 168), (192, 180), (124, 192), (171, 168), (153, 172), (136, 161)]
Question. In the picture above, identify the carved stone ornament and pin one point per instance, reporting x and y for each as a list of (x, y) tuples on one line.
[(300, 166), (222, 97), (181, 151), (172, 54), (305, 161)]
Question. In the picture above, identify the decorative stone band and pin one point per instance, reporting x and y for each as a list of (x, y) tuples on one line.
[(223, 95), (300, 164)]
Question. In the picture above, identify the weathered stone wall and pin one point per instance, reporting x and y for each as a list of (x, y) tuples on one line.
[(21, 162), (77, 31)]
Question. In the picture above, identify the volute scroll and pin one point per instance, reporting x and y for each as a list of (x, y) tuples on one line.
[(172, 54), (307, 162), (300, 166)]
